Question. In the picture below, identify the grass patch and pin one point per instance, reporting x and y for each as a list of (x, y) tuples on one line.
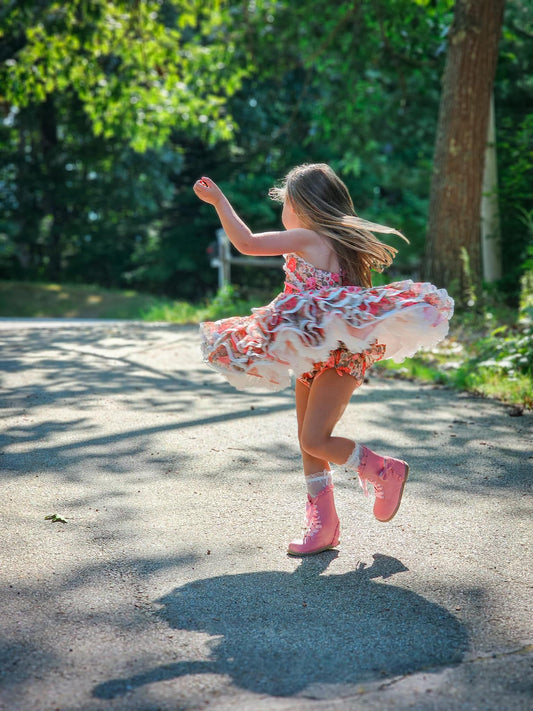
[(225, 304), (488, 354), (510, 389), (34, 300)]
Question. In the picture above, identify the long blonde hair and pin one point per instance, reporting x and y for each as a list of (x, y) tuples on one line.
[(322, 202)]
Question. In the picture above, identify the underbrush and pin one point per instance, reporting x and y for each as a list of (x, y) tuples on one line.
[(488, 352), (226, 303)]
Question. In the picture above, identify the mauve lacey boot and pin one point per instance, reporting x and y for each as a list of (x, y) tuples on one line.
[(386, 474), (322, 525)]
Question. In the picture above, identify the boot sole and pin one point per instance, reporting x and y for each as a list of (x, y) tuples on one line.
[(319, 550), (386, 520), (334, 542)]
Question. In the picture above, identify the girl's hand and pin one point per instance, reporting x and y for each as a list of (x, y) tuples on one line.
[(208, 191)]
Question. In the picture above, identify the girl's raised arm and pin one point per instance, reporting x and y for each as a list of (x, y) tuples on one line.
[(262, 244)]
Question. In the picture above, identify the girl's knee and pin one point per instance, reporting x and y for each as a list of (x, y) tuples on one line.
[(312, 444)]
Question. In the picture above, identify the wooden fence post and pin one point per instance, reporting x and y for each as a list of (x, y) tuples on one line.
[(224, 260)]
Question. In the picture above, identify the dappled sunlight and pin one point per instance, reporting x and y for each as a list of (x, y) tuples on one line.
[(136, 370), (180, 495)]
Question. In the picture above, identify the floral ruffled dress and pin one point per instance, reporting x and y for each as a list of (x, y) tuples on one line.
[(318, 322)]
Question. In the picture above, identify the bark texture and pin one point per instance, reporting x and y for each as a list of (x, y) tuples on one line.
[(456, 184), (491, 249)]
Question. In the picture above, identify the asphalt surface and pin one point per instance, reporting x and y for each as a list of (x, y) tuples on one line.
[(169, 586)]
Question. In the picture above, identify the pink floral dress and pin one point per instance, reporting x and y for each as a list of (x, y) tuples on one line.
[(318, 322)]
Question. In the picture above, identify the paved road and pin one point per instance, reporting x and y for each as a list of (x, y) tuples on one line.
[(168, 587)]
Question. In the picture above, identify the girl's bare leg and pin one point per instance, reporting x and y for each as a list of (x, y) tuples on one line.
[(311, 464), (326, 401), (328, 396), (322, 522)]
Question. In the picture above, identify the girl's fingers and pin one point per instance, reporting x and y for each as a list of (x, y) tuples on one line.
[(206, 182), (206, 190)]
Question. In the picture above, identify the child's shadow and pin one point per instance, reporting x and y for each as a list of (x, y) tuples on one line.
[(283, 632)]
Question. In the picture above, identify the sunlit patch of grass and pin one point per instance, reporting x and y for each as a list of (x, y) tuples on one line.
[(515, 389), (412, 369), (172, 311), (94, 299), (34, 300), (461, 365), (225, 304)]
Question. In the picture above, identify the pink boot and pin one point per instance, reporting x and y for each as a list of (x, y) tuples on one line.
[(322, 525), (387, 475)]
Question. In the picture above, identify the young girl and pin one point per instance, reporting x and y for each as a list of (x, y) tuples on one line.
[(327, 327)]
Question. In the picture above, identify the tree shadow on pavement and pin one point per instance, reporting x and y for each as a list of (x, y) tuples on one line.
[(82, 364), (148, 368), (288, 633)]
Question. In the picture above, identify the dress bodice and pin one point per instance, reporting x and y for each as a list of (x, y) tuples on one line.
[(303, 276)]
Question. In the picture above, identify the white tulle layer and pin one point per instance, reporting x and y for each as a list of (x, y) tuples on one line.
[(297, 330)]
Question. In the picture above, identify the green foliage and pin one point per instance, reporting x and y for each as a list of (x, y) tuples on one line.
[(225, 303), (139, 70), (506, 351), (94, 95), (500, 364), (356, 85), (111, 110), (513, 93)]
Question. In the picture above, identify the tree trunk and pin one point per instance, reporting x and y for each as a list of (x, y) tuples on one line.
[(491, 248), (453, 244)]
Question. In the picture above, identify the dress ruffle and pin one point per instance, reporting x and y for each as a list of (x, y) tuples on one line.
[(300, 328)]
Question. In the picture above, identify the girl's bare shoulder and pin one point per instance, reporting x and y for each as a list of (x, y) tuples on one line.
[(320, 253)]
